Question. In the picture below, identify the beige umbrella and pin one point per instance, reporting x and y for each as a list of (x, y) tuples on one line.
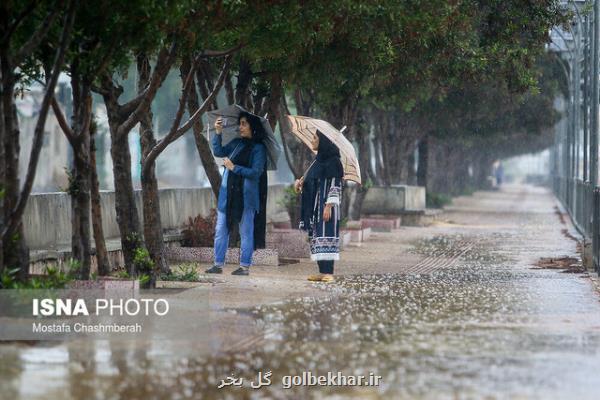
[(304, 128)]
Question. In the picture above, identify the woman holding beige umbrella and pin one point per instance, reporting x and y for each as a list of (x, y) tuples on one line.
[(321, 189)]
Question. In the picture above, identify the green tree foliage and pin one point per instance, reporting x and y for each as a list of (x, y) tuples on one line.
[(469, 71)]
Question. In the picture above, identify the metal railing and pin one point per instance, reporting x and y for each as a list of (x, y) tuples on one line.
[(575, 150)]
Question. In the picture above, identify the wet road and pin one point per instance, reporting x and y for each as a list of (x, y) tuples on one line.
[(468, 318)]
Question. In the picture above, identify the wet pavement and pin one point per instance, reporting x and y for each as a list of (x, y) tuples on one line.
[(454, 310)]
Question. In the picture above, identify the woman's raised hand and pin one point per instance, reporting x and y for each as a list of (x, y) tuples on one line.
[(219, 125)]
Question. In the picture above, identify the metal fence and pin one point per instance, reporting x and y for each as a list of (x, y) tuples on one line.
[(575, 150)]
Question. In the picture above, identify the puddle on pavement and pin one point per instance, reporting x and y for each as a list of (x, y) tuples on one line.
[(482, 328)]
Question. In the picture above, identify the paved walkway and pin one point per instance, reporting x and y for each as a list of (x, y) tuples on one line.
[(454, 310)]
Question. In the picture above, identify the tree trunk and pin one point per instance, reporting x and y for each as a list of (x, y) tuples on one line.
[(102, 260), (259, 98), (5, 108), (378, 150), (444, 172), (481, 171), (126, 209), (364, 156), (387, 137), (399, 168), (422, 167), (82, 199), (272, 104), (370, 167), (153, 235), (229, 89), (411, 173), (16, 253), (437, 167), (3, 135), (78, 135), (205, 82), (121, 120), (462, 172), (208, 161), (242, 88), (81, 174), (13, 229), (76, 245), (455, 184), (151, 205)]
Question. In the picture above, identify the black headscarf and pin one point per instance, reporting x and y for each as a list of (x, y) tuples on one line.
[(327, 164), (235, 184), (258, 132)]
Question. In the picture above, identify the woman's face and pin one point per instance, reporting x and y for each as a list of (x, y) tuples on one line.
[(245, 130), (314, 143)]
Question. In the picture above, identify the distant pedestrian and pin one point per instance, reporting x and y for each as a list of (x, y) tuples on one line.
[(499, 173), (321, 189)]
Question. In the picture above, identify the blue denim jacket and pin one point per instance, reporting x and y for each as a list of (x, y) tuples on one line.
[(258, 160)]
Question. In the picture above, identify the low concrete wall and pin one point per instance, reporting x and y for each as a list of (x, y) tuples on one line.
[(394, 199), (414, 198), (205, 255), (47, 218), (291, 243)]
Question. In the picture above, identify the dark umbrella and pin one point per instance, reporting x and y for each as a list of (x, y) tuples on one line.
[(230, 115)]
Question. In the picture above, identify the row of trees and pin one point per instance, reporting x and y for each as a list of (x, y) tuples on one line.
[(400, 75)]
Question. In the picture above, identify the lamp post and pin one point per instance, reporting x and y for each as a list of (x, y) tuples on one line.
[(594, 135), (595, 97)]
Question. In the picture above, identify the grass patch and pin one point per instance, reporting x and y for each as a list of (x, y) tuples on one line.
[(182, 273)]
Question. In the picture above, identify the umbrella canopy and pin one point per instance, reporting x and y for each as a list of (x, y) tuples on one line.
[(231, 130), (304, 128)]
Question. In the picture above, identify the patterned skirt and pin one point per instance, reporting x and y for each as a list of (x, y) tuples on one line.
[(325, 236)]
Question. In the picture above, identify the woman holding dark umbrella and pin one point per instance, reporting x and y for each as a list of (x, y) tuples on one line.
[(321, 189), (243, 193)]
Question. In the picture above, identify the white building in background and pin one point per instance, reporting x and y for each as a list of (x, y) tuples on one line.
[(55, 153)]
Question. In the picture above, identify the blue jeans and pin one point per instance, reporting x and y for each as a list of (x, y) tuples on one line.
[(246, 237)]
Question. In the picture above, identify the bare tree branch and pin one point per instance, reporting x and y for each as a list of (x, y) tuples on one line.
[(38, 135), (98, 89), (88, 115), (162, 144), (133, 104), (224, 70), (62, 121), (176, 132), (164, 61), (109, 85), (284, 126), (106, 87)]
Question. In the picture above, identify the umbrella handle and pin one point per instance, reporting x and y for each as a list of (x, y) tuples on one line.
[(308, 169)]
